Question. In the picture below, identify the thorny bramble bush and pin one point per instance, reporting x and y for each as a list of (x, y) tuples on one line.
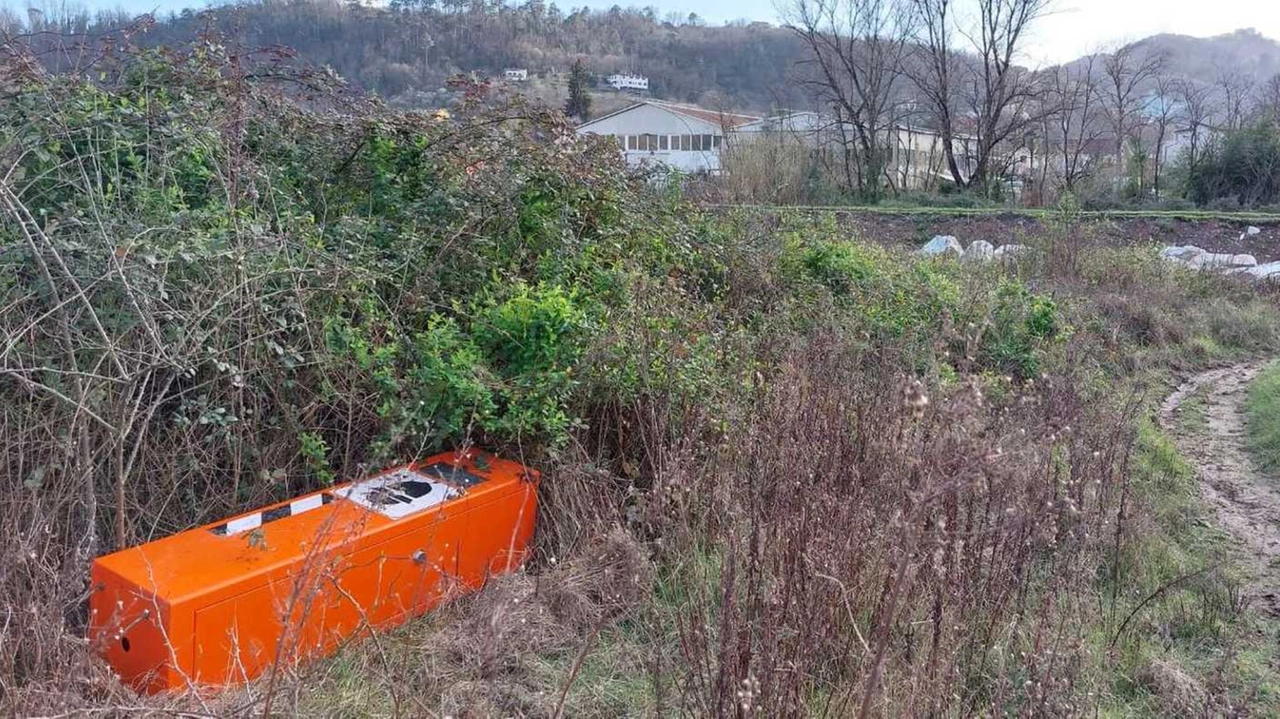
[(847, 481), (228, 280)]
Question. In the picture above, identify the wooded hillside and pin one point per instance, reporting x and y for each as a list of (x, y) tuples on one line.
[(413, 47)]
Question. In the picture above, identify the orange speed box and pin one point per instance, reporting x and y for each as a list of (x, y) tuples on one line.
[(224, 603)]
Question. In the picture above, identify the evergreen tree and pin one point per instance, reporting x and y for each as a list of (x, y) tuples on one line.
[(579, 103)]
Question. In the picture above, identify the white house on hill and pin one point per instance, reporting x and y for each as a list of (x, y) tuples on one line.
[(628, 82), (515, 74), (681, 137)]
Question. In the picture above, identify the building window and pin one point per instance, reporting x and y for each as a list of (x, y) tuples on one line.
[(717, 141), (686, 143), (631, 142), (662, 142), (697, 143)]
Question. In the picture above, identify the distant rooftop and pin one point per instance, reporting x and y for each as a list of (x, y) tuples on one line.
[(701, 113)]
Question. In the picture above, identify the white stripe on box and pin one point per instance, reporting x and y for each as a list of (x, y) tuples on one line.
[(244, 524), (306, 504)]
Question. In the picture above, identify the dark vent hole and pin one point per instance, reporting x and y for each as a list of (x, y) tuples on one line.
[(400, 492), (456, 476)]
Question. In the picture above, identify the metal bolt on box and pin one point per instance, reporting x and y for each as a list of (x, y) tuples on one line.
[(223, 603)]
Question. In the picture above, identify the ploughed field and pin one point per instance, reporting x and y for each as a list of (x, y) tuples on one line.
[(1215, 235), (1212, 233)]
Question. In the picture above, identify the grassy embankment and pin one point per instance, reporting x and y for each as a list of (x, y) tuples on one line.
[(1262, 413), (785, 471), (1190, 215)]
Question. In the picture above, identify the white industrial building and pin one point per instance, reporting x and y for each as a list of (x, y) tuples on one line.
[(628, 82), (694, 139), (515, 74), (916, 157), (682, 137), (812, 127)]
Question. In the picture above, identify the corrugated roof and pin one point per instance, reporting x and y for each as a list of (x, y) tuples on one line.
[(715, 117)]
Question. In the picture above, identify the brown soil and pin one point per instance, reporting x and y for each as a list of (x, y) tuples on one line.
[(1246, 504)]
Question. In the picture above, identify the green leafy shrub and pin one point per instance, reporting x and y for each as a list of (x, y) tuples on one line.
[(315, 451), (533, 339), (1241, 168), (895, 296), (447, 389), (1021, 324), (842, 267)]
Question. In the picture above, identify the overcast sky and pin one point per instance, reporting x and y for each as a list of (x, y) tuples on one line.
[(1074, 28)]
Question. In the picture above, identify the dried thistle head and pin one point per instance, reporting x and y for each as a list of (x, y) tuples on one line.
[(915, 399)]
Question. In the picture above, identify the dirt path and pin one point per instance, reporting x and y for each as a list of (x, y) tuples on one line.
[(1246, 504)]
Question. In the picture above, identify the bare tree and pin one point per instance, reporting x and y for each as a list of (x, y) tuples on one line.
[(1269, 99), (1163, 111), (1196, 111), (933, 74), (1236, 89), (1127, 71), (997, 95), (1075, 124), (857, 49)]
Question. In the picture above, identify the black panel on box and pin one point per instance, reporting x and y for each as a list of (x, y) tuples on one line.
[(400, 492), (456, 476)]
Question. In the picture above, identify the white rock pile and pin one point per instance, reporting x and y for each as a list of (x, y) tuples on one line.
[(1201, 259), (1269, 271), (1186, 255), (943, 245), (1010, 250), (979, 250)]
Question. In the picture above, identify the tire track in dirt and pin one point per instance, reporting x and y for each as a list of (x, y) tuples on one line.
[(1246, 504)]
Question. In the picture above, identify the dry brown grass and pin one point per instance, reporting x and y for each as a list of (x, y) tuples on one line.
[(774, 169), (882, 555)]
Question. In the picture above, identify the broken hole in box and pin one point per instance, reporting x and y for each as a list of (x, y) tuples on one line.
[(456, 476), (400, 492)]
